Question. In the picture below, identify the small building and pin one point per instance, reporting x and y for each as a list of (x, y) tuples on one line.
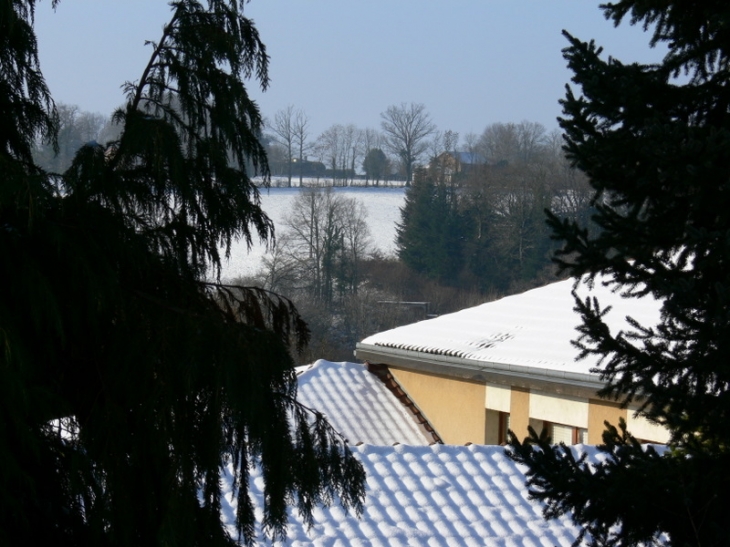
[(448, 164), (508, 364)]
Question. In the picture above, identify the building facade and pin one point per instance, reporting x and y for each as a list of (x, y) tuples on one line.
[(510, 364)]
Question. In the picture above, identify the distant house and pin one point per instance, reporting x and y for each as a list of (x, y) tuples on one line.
[(448, 164), (509, 364), (307, 168)]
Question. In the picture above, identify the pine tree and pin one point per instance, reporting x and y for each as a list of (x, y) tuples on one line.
[(127, 381), (655, 143), (429, 234)]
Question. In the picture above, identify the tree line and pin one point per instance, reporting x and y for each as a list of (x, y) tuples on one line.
[(339, 156)]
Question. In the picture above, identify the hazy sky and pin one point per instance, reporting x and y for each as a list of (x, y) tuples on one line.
[(471, 62)]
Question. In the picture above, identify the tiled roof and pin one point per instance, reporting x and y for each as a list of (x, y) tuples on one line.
[(358, 404), (431, 495), (532, 329)]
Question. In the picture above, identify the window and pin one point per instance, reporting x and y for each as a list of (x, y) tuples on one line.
[(503, 427), (567, 434)]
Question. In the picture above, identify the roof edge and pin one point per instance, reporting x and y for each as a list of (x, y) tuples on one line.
[(473, 370)]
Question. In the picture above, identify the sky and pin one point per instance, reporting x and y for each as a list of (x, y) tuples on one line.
[(470, 62)]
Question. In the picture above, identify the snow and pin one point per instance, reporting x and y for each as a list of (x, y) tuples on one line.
[(383, 209), (532, 329), (430, 495), (357, 404)]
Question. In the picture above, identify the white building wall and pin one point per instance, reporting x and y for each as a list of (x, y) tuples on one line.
[(498, 397), (559, 409), (641, 428)]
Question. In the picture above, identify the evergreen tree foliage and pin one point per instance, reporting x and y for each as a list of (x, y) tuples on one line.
[(375, 165), (127, 381), (655, 144), (429, 236)]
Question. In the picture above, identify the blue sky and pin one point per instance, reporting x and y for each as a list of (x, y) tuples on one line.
[(471, 62)]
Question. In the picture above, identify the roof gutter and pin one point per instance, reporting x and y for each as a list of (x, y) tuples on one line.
[(577, 383)]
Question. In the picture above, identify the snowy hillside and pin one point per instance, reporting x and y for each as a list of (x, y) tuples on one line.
[(382, 204)]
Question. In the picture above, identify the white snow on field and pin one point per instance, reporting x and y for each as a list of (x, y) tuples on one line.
[(383, 209)]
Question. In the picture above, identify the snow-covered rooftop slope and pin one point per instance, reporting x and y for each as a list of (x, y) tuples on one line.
[(357, 404), (532, 329), (435, 495)]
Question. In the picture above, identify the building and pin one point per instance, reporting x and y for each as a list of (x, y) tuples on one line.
[(418, 492), (448, 164), (508, 364)]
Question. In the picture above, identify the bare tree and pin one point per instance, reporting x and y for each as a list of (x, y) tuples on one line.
[(451, 141), (282, 130), (329, 149), (352, 146), (326, 238), (435, 146), (340, 148), (371, 138), (405, 129), (300, 129), (471, 147), (512, 142), (75, 128)]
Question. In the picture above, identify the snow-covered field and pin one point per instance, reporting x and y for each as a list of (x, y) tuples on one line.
[(382, 205)]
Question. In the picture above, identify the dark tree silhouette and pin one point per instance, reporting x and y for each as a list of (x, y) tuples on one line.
[(655, 144), (127, 381)]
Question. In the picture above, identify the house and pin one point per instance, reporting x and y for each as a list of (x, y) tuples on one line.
[(508, 364), (448, 164), (418, 493)]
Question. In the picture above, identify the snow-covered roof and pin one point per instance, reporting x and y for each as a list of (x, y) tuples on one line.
[(528, 331), (357, 404), (430, 495)]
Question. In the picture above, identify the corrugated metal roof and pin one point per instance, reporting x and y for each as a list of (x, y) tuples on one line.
[(533, 329)]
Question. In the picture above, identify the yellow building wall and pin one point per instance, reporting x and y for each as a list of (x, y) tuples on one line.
[(455, 408), (602, 411), (519, 412)]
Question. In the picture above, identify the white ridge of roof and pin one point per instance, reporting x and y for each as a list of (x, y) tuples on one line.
[(357, 404), (532, 329), (428, 495)]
